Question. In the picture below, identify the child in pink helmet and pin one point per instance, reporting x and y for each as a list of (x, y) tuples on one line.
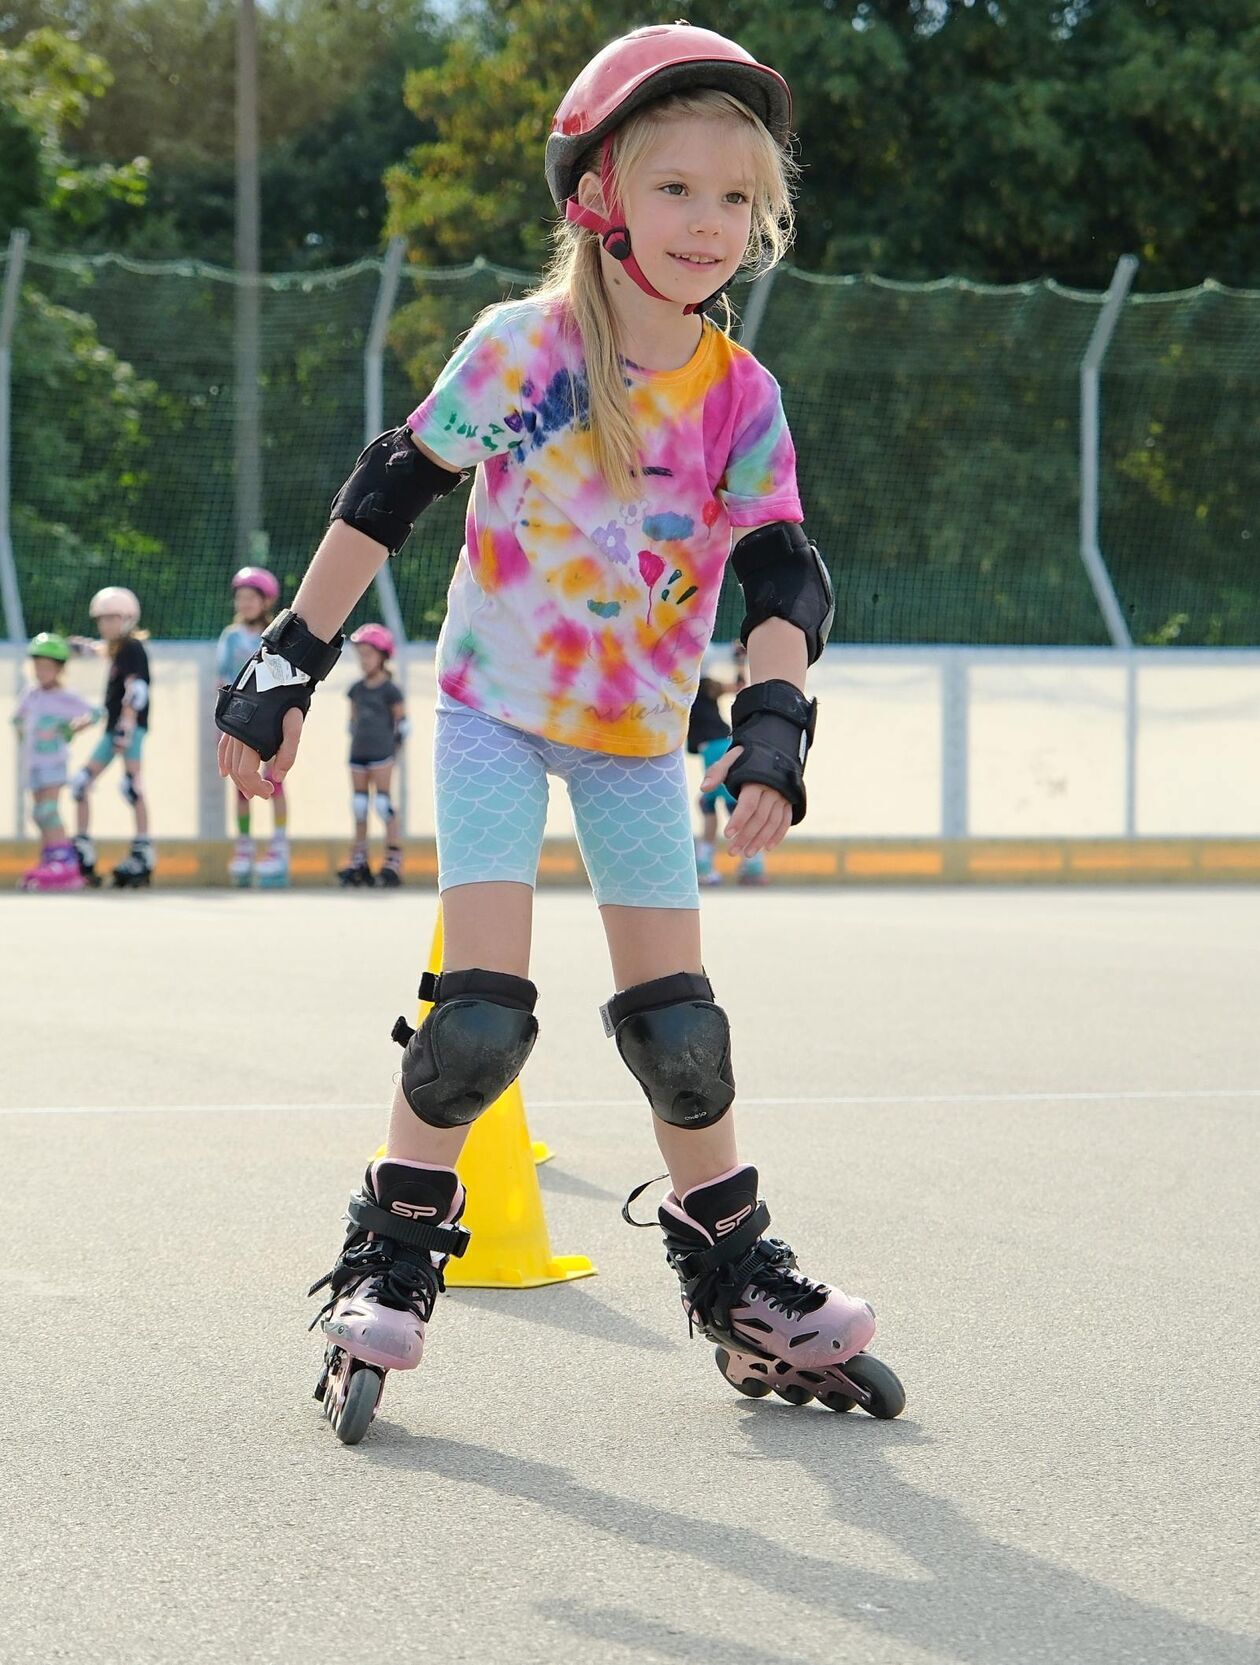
[(378, 727), (625, 451), (255, 592)]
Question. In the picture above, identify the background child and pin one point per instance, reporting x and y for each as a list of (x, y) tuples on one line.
[(255, 592), (47, 715), (116, 610), (378, 726), (709, 736)]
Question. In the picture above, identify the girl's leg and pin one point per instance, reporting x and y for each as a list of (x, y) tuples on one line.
[(359, 784), (487, 926), (47, 816), (279, 806), (643, 944), (490, 795), (82, 799), (136, 798), (387, 811), (242, 815)]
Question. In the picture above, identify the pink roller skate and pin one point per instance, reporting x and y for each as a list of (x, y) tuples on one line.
[(404, 1225), (777, 1330), (56, 869)]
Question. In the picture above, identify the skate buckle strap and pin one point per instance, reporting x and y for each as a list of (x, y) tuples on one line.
[(401, 1032), (694, 1263), (453, 1240)]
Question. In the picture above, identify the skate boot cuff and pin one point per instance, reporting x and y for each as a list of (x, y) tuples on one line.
[(692, 1261), (412, 1234)]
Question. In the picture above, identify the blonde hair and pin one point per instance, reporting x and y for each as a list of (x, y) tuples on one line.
[(574, 279)]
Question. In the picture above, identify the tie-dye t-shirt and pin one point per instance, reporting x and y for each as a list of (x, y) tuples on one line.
[(571, 614)]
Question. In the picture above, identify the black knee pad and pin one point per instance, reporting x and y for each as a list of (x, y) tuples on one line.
[(676, 1043), (471, 1046)]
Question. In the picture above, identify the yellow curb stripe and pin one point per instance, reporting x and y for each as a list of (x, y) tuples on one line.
[(895, 863)]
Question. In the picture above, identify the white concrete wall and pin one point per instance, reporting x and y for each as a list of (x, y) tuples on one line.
[(1043, 745)]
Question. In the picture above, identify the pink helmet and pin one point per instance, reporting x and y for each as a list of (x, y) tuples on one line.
[(375, 635), (257, 578), (632, 71)]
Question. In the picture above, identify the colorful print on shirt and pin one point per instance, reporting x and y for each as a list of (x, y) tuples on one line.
[(571, 614)]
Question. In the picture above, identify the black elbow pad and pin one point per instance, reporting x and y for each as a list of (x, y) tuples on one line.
[(392, 484), (784, 577)]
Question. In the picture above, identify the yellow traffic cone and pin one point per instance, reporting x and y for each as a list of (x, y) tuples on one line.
[(510, 1248)]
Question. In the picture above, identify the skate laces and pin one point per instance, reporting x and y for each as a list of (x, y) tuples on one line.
[(768, 1267), (404, 1283)]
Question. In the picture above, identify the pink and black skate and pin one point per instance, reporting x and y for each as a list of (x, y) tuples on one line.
[(403, 1227), (776, 1330), (56, 869)]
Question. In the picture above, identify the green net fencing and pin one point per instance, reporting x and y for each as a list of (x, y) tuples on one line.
[(937, 428)]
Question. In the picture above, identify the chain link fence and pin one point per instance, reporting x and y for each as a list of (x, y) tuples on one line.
[(938, 428)]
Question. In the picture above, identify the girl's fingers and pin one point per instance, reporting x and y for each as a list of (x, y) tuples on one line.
[(716, 773), (286, 757)]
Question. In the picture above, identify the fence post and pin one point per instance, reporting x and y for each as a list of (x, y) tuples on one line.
[(15, 624), (955, 739), (1091, 364), (374, 410)]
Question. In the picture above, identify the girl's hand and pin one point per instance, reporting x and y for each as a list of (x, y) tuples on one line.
[(761, 815), (242, 765)]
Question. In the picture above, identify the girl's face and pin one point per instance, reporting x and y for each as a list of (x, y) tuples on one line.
[(48, 672), (689, 208), (370, 659), (110, 626), (250, 604)]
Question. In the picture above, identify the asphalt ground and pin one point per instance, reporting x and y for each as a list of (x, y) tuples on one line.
[(1024, 1125)]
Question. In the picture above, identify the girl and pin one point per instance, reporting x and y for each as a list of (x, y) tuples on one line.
[(378, 726), (46, 717), (255, 592), (621, 440), (709, 737), (127, 706)]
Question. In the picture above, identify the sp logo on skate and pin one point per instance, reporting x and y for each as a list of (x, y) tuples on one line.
[(413, 1211), (733, 1220)]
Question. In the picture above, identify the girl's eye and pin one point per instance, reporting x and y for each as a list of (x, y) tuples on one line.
[(674, 187), (737, 196)]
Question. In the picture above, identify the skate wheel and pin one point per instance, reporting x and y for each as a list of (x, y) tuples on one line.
[(836, 1401), (887, 1396), (749, 1386), (795, 1394), (352, 1419)]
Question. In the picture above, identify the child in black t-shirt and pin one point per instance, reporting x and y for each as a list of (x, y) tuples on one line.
[(709, 737), (127, 707), (378, 726)]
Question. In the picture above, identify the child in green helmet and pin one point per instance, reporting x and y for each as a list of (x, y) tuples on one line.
[(46, 716)]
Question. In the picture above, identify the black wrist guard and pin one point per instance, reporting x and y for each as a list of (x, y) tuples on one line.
[(774, 723), (280, 677)]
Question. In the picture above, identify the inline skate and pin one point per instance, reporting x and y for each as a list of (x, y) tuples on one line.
[(390, 876), (56, 869), (85, 855), (272, 872), (135, 870), (356, 874), (776, 1330), (403, 1227), (241, 866)]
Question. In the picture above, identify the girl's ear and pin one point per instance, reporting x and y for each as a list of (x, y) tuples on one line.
[(590, 193)]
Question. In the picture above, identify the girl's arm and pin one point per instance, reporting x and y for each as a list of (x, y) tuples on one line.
[(777, 652)]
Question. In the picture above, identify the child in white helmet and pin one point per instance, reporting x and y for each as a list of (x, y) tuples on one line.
[(378, 727), (626, 450), (255, 592), (47, 715), (128, 705)]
